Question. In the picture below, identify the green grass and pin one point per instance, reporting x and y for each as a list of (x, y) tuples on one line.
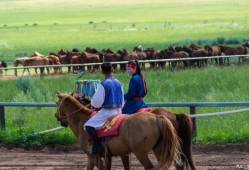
[(44, 26), (211, 84)]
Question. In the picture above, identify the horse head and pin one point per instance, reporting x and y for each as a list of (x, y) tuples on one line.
[(67, 107), (246, 44), (3, 64)]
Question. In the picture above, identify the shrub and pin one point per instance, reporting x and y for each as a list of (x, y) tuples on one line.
[(24, 83), (220, 40)]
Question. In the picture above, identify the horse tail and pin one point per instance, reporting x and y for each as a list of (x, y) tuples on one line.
[(185, 134), (170, 148)]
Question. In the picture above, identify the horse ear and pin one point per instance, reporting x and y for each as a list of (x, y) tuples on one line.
[(57, 92), (72, 94)]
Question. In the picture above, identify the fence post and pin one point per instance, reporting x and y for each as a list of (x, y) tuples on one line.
[(2, 117), (193, 112)]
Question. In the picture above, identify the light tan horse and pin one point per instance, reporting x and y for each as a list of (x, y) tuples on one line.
[(183, 126), (32, 61), (138, 134)]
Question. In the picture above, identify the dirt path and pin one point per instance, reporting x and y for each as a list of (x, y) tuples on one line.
[(225, 157)]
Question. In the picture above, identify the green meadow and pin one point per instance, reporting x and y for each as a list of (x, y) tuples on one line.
[(42, 25), (211, 84)]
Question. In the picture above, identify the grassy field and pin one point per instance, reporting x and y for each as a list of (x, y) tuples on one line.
[(211, 84), (44, 26)]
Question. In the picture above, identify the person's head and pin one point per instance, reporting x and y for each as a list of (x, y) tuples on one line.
[(132, 67), (106, 68)]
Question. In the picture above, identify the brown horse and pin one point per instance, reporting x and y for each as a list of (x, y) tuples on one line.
[(20, 61), (184, 129), (153, 132), (3, 64), (215, 51), (183, 126), (235, 50), (126, 56), (141, 54)]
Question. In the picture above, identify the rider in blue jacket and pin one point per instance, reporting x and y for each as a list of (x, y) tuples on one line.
[(137, 89)]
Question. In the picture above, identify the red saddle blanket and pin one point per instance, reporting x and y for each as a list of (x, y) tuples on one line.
[(110, 128), (146, 109)]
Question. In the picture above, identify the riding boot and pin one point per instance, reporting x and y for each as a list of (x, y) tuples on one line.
[(96, 144)]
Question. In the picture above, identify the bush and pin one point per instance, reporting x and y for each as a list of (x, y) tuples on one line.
[(24, 83), (220, 40)]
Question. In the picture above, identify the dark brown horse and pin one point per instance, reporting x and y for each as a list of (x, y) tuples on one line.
[(235, 50), (3, 64), (184, 129), (126, 56), (153, 132), (107, 55)]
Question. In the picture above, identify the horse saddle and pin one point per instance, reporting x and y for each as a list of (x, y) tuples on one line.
[(111, 126), (146, 109)]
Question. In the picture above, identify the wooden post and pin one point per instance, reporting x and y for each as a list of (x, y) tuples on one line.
[(193, 112), (2, 119)]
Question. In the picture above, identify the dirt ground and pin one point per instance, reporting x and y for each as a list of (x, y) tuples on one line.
[(212, 157)]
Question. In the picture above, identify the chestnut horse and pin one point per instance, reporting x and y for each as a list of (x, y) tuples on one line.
[(153, 132), (184, 129), (236, 50), (183, 126), (20, 61)]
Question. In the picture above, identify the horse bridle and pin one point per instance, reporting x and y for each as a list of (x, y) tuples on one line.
[(64, 117)]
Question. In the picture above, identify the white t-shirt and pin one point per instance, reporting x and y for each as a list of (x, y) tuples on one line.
[(99, 119)]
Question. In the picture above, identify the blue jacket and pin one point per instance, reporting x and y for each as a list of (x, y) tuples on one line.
[(134, 97), (113, 93)]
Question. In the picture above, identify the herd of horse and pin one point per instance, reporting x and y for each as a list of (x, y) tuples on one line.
[(180, 55), (166, 134)]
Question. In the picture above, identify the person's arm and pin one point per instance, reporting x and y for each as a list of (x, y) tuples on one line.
[(98, 97), (123, 97), (131, 89)]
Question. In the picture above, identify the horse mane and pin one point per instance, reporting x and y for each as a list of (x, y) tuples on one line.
[(76, 102)]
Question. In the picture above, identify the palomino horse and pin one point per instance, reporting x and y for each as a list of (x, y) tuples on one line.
[(184, 129), (183, 126), (153, 132)]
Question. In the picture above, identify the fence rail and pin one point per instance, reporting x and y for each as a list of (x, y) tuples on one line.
[(192, 107)]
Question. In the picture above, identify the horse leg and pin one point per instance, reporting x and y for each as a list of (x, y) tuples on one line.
[(41, 71), (90, 163), (143, 158), (108, 163), (126, 162), (23, 71), (47, 68)]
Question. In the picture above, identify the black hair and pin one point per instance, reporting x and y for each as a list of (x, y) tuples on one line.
[(106, 67), (138, 67)]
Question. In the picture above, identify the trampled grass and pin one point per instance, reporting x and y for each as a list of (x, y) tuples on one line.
[(210, 84)]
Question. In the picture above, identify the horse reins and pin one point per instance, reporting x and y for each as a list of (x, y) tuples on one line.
[(63, 117)]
